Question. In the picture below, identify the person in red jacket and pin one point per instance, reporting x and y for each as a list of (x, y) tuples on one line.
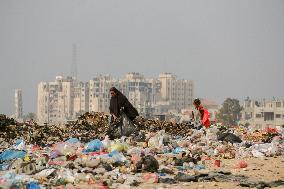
[(204, 114)]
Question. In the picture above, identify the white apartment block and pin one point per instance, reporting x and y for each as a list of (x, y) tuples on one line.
[(81, 98), (177, 94), (99, 96), (18, 104), (141, 92), (60, 100), (262, 114)]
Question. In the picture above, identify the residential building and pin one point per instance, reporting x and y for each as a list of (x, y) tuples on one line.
[(264, 113), (139, 91), (55, 100), (81, 98), (99, 96), (176, 94)]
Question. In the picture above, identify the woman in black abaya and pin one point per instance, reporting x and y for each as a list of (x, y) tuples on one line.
[(119, 102)]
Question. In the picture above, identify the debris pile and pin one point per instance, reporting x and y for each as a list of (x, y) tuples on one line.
[(86, 127), (151, 125), (80, 154)]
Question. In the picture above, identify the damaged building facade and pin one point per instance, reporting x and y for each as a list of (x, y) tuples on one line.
[(66, 98), (264, 113)]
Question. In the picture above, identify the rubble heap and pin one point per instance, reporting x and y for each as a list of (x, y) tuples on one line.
[(85, 128), (172, 128), (79, 155)]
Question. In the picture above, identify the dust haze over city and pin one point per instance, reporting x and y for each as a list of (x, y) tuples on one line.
[(228, 48)]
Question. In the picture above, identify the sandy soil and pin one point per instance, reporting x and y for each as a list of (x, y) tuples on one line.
[(268, 169)]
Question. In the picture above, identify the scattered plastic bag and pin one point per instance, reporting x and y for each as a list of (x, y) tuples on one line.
[(241, 164), (267, 149), (19, 144), (54, 154), (72, 140), (117, 157), (257, 154), (150, 178), (44, 173), (65, 148), (94, 145), (178, 150), (199, 167), (119, 147), (33, 185), (12, 154), (106, 142), (156, 141), (66, 174), (4, 166)]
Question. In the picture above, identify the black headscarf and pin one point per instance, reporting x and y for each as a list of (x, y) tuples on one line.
[(118, 101)]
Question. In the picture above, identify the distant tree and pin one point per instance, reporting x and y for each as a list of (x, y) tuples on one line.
[(230, 112), (29, 116)]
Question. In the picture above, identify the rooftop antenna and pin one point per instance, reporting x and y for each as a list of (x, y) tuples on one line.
[(74, 61)]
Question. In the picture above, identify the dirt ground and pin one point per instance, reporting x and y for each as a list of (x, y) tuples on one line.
[(267, 170)]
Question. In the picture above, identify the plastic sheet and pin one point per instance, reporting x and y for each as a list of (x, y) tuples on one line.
[(12, 154)]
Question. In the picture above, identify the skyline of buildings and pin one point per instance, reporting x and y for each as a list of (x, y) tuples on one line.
[(66, 98)]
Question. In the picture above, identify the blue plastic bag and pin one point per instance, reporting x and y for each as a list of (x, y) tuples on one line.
[(94, 145), (19, 144), (33, 185), (72, 140), (4, 166), (12, 154), (178, 150), (117, 157), (199, 167)]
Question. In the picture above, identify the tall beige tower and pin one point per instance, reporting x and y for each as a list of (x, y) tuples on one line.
[(56, 100), (18, 104), (99, 96), (178, 93)]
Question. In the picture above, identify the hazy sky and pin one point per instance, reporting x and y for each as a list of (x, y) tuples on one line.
[(229, 48)]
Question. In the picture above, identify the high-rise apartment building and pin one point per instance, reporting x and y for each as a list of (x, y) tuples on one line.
[(80, 98), (177, 94), (141, 92), (18, 104), (56, 100), (99, 96)]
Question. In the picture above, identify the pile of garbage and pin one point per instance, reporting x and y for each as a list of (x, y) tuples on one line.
[(87, 126), (79, 154), (265, 135), (152, 125), (5, 121)]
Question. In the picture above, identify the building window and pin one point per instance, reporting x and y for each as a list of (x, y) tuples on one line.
[(268, 116), (278, 104), (258, 115), (277, 115)]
